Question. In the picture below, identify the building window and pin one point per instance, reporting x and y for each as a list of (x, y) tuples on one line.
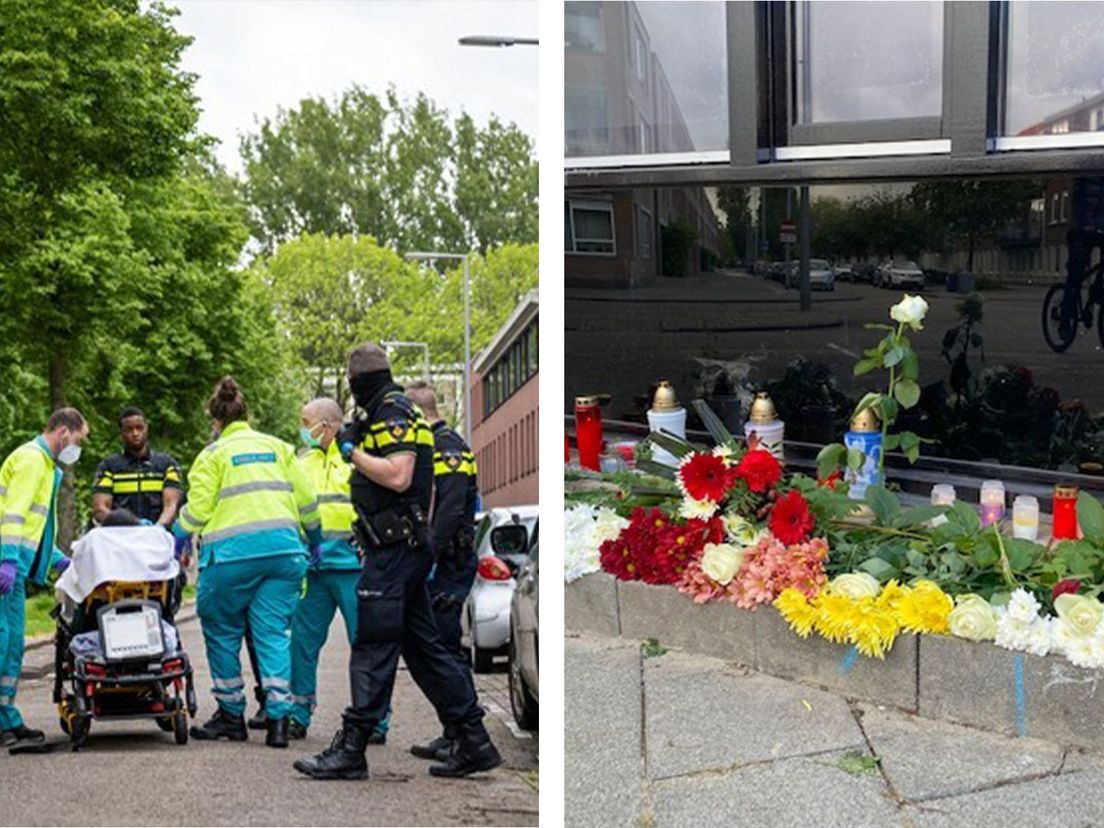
[(868, 61), (1054, 208), (1063, 215), (583, 30), (533, 348), (640, 55), (644, 233), (590, 229), (586, 121), (1055, 75)]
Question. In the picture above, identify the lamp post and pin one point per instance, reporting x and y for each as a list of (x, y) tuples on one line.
[(430, 256), (398, 343), (497, 41)]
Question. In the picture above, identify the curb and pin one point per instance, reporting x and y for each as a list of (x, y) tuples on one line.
[(935, 676)]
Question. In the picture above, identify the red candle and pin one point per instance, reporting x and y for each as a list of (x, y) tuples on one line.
[(588, 431), (1065, 512), (567, 450)]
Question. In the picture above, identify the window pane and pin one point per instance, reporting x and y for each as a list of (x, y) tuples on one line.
[(593, 224), (1055, 68), (645, 78), (864, 61)]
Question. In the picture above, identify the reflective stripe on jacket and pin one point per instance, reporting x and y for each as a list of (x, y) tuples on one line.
[(248, 498), (29, 483), (328, 474)]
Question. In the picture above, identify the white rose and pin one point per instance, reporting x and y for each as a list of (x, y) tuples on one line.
[(1080, 612), (974, 618), (721, 561), (855, 585), (910, 311)]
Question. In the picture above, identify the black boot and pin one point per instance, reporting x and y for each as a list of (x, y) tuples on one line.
[(222, 725), (296, 730), (343, 759), (438, 749), (277, 735), (259, 721), (377, 737), (474, 753)]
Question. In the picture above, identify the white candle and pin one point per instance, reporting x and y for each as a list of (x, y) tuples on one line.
[(942, 494), (1025, 517)]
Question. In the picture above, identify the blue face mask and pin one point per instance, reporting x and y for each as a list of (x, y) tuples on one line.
[(308, 438)]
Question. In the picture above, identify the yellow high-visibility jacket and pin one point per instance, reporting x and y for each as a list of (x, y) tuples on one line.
[(328, 473), (29, 483)]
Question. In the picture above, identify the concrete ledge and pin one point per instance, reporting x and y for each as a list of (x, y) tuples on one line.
[(718, 629), (590, 605), (837, 667), (1013, 693), (940, 677)]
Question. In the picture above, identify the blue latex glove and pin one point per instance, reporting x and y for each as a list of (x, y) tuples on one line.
[(145, 522), (315, 559), (182, 543), (7, 577), (62, 564), (347, 450)]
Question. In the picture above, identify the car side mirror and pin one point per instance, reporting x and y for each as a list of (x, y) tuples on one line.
[(511, 539)]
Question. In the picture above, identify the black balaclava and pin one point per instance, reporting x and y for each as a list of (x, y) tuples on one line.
[(369, 386)]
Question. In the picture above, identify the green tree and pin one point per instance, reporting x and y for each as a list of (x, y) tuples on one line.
[(971, 211), (399, 171), (733, 200)]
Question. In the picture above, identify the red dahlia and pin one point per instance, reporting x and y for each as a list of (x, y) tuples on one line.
[(759, 470), (790, 520), (704, 477)]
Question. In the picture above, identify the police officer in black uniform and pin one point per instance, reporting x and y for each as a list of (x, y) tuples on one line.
[(391, 448), (146, 483), (454, 505)]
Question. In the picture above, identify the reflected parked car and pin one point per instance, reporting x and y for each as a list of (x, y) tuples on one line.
[(843, 272), (485, 620), (821, 275), (900, 273), (524, 649)]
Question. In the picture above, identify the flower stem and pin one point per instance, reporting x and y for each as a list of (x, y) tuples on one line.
[(885, 530)]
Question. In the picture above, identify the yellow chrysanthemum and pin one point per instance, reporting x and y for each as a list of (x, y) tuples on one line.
[(833, 615), (925, 609), (795, 608), (873, 630), (891, 594)]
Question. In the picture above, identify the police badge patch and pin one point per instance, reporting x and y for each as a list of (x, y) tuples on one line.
[(453, 461), (398, 427)]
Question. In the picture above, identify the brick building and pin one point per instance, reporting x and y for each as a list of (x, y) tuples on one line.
[(504, 408)]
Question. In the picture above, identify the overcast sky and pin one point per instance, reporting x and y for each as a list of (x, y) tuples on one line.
[(253, 56)]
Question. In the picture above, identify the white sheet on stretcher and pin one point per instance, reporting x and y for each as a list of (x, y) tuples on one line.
[(118, 553)]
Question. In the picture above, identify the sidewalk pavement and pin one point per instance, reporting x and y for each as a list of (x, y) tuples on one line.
[(684, 740)]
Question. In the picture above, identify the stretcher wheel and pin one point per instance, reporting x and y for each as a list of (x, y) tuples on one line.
[(78, 730), (180, 727)]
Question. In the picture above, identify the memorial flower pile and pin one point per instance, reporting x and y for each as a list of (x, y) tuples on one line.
[(585, 529)]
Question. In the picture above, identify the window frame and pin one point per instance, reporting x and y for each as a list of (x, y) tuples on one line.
[(594, 205)]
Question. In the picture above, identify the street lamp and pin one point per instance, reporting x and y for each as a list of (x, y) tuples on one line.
[(430, 256), (397, 343), (497, 41)]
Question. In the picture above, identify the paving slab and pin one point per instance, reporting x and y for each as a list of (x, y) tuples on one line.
[(925, 759), (703, 715), (716, 629), (590, 604), (780, 652), (1071, 800), (603, 764), (784, 794)]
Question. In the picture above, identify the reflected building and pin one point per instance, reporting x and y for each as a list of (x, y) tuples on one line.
[(618, 101)]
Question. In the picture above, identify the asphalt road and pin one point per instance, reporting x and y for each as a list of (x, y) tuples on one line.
[(619, 341), (130, 773)]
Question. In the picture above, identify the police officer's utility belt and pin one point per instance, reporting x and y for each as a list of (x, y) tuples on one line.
[(391, 526)]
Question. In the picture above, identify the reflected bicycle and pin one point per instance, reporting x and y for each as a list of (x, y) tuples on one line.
[(1064, 310)]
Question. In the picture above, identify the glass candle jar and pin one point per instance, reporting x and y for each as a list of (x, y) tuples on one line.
[(588, 431), (942, 494), (1025, 517), (992, 502), (1065, 512)]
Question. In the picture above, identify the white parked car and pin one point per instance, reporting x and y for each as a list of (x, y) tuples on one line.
[(486, 617), (899, 273), (843, 272), (821, 275)]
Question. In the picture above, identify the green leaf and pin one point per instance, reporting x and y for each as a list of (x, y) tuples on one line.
[(651, 648), (717, 430), (869, 400), (913, 454), (986, 555), (830, 458), (882, 570), (909, 440), (963, 516), (857, 764), (910, 366), (658, 469), (1022, 554), (891, 442), (884, 505), (1090, 516), (855, 458), (887, 409), (918, 515), (672, 443), (865, 366), (894, 356), (907, 392)]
